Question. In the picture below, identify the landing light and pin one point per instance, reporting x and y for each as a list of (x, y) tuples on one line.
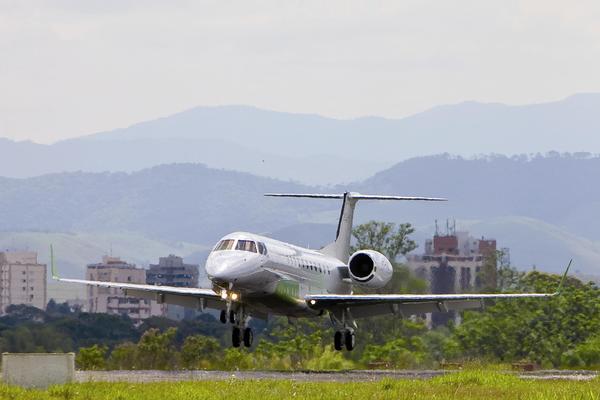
[(234, 296), (224, 294), (313, 302)]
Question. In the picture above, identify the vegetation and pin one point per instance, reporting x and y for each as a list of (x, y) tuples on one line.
[(385, 238), (558, 332), (464, 385)]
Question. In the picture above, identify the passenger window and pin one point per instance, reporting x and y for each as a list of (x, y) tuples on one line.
[(262, 249), (226, 244), (246, 245)]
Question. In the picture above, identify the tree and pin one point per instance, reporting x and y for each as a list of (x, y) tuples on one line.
[(123, 357), (487, 278), (385, 238), (91, 358), (508, 278), (199, 352), (155, 350), (539, 330), (293, 346)]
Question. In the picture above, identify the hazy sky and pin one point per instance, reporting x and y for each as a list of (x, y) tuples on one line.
[(72, 67)]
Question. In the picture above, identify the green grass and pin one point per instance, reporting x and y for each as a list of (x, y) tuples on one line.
[(463, 385)]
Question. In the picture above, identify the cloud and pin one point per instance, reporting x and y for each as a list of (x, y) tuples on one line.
[(72, 67)]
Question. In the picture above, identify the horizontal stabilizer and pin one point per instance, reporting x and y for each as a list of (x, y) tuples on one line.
[(356, 196), (341, 246)]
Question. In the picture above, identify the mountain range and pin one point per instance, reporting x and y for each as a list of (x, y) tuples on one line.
[(176, 184), (544, 208), (313, 149)]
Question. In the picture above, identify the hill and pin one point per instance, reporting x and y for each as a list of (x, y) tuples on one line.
[(315, 149), (556, 189), (544, 208), (181, 202)]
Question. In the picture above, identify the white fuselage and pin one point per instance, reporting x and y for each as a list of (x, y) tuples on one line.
[(273, 276)]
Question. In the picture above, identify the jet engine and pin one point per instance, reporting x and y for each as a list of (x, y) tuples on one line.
[(370, 269)]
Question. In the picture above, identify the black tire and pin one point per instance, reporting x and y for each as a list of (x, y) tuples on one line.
[(236, 337), (223, 316), (248, 337), (350, 340), (337, 340), (232, 316)]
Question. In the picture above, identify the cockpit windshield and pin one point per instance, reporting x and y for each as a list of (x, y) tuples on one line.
[(246, 245), (262, 249), (226, 244)]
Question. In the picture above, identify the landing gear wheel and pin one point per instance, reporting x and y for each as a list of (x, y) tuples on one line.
[(232, 316), (236, 337), (337, 340), (248, 337), (350, 340), (223, 317)]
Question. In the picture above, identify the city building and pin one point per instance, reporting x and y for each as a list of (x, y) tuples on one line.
[(453, 263), (22, 280), (113, 301), (172, 271)]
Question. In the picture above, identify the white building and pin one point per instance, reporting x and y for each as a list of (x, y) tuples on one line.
[(22, 280), (113, 301)]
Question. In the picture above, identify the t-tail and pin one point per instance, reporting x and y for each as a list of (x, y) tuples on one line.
[(340, 248)]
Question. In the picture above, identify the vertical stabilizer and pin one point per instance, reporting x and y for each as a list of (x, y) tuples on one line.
[(340, 249)]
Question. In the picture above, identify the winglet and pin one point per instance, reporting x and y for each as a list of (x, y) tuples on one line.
[(564, 277), (52, 264)]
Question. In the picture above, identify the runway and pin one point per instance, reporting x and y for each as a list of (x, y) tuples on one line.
[(302, 376)]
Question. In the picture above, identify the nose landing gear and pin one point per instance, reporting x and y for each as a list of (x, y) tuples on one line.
[(240, 332)]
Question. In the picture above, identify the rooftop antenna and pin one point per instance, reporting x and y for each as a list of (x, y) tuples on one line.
[(436, 228)]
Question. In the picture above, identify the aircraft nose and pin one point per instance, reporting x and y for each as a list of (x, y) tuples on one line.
[(220, 270), (229, 269)]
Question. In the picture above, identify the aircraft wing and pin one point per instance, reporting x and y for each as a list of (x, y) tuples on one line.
[(196, 298), (367, 305)]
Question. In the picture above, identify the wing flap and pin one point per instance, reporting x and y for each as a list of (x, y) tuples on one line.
[(404, 304), (197, 298), (193, 302)]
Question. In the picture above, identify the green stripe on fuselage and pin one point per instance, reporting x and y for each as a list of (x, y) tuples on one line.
[(288, 290)]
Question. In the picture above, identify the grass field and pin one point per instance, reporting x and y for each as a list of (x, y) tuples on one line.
[(463, 385)]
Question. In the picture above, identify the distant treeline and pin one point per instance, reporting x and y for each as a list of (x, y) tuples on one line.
[(563, 331)]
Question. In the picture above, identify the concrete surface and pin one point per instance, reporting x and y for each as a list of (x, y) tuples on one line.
[(38, 370), (364, 375)]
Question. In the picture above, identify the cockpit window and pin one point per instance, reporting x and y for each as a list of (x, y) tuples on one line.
[(246, 245), (262, 249), (226, 244)]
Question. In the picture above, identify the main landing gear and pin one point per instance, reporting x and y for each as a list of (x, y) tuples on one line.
[(240, 332), (345, 338)]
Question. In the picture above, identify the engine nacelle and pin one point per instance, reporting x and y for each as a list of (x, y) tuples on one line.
[(370, 269)]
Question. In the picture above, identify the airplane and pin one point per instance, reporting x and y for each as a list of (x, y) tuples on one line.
[(256, 276)]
